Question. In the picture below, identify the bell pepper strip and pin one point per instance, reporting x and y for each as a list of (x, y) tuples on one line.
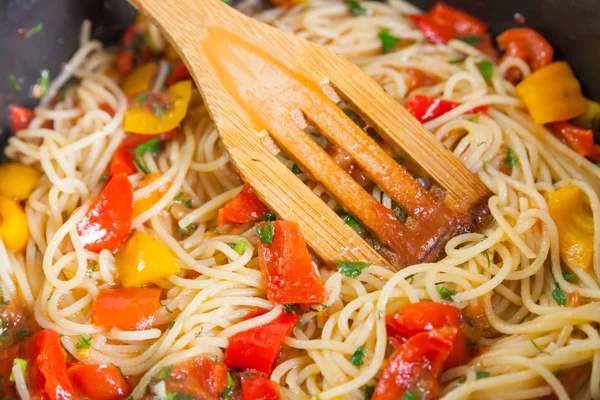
[(575, 224), (18, 180), (14, 228), (529, 46), (162, 114), (552, 93), (443, 23), (126, 309), (243, 208), (145, 203), (287, 269), (98, 382), (139, 80), (200, 378), (258, 348), (415, 318), (107, 223), (179, 73), (415, 367), (47, 375), (133, 50), (580, 140), (426, 108), (255, 387), (132, 140), (142, 260), (122, 162), (20, 117)]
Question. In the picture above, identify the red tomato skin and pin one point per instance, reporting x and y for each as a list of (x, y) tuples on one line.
[(426, 108), (287, 270), (20, 117), (127, 309), (98, 382), (243, 208), (200, 377), (107, 224), (132, 140), (107, 108), (122, 162), (578, 139), (415, 318), (417, 364), (256, 387), (179, 73), (131, 55), (443, 23), (258, 348), (528, 45)]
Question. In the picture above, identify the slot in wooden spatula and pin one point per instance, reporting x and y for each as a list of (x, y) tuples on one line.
[(259, 82)]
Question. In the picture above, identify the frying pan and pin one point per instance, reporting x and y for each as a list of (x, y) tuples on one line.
[(571, 26)]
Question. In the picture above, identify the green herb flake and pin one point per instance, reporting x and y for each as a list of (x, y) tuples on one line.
[(34, 31), (398, 211), (462, 380), (526, 319), (141, 99), (157, 109), (355, 7), (482, 374), (289, 308), (387, 41), (164, 373), (354, 224), (187, 231), (171, 325), (351, 269), (538, 347), (21, 363), (569, 276), (44, 81), (14, 83), (410, 396), (296, 169), (488, 258), (445, 293), (321, 308), (150, 44), (472, 40), (559, 296), (151, 146), (83, 343), (475, 118), (368, 391), (358, 357), (268, 217), (228, 390), (186, 202), (240, 247), (265, 233), (511, 159), (486, 69), (457, 60)]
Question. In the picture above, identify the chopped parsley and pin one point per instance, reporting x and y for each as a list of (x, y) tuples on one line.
[(91, 268), (230, 386), (321, 308), (167, 309), (398, 211), (187, 231), (289, 308), (157, 109), (164, 373), (511, 159), (150, 44), (44, 81), (141, 99), (265, 234), (410, 396), (83, 343), (240, 247), (14, 83), (559, 296), (358, 357), (296, 169), (152, 147), (472, 40), (538, 347), (268, 217), (569, 276), (457, 60), (462, 379), (482, 374), (475, 118), (445, 293), (171, 325), (354, 224), (486, 69), (21, 363), (351, 269), (368, 391), (355, 7), (488, 258), (387, 41), (187, 202)]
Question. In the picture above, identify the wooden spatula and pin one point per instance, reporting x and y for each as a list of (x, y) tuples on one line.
[(261, 84)]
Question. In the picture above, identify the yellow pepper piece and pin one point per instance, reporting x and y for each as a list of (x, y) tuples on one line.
[(18, 180), (552, 93), (145, 203), (144, 121), (144, 260), (140, 79), (14, 230), (574, 220)]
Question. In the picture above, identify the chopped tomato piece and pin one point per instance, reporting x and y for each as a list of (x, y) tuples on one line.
[(287, 269), (200, 377), (46, 367), (580, 140), (98, 382), (108, 109), (443, 23), (133, 50), (245, 207), (179, 73), (255, 312), (20, 117), (256, 387), (529, 46), (415, 318), (417, 78), (107, 223), (258, 348), (133, 140), (122, 162), (416, 366), (128, 309), (427, 108)]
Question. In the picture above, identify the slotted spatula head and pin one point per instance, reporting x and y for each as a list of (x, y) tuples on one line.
[(260, 83)]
